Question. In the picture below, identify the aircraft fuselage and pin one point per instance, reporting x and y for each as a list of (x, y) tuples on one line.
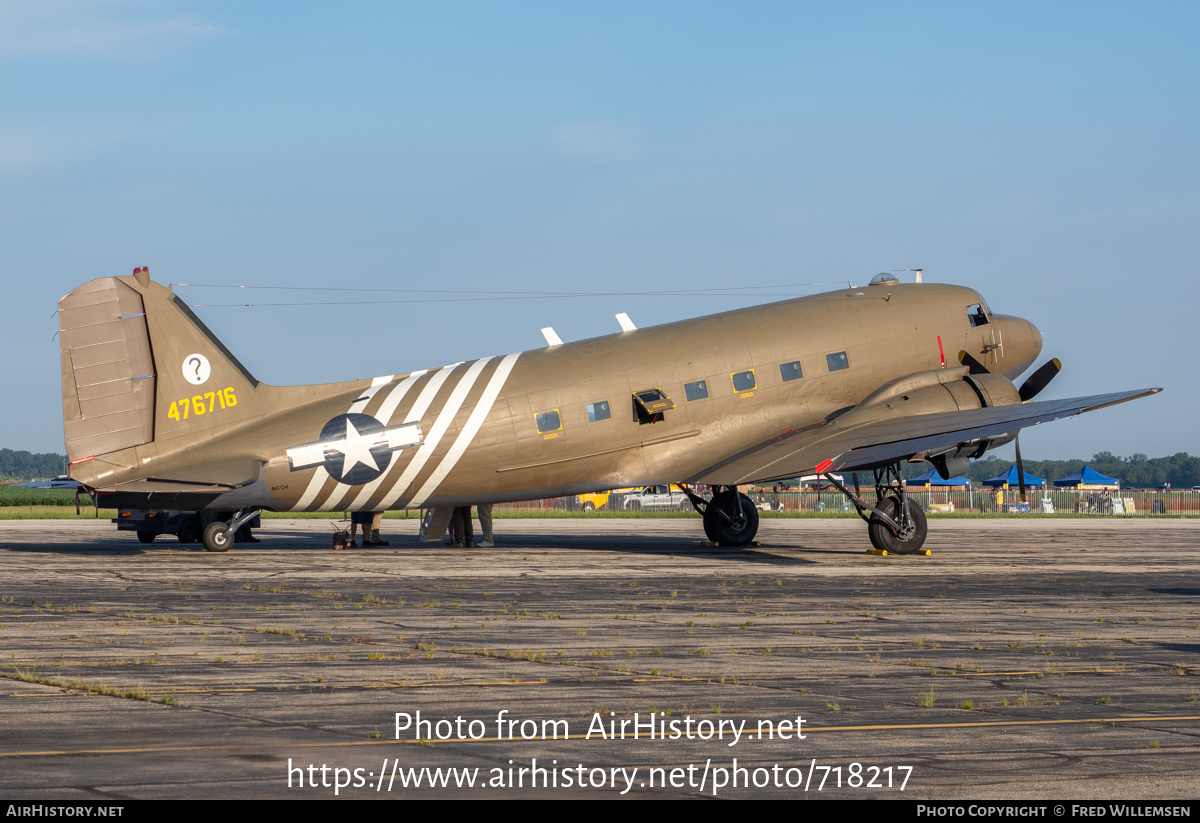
[(532, 425)]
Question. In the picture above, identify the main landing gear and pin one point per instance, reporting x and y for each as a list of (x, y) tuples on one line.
[(895, 524), (218, 535), (730, 517)]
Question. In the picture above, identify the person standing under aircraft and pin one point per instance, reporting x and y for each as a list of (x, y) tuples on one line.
[(374, 538), (485, 525), (461, 529), (363, 520)]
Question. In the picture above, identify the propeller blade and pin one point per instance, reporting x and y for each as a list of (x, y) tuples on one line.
[(971, 363), (1020, 468), (1038, 380)]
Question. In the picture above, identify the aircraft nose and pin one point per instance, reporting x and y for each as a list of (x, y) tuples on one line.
[(1022, 345)]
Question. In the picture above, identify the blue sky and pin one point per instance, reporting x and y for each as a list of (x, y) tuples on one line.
[(1045, 154)]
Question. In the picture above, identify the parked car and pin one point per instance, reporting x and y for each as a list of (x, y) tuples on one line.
[(595, 501), (657, 499)]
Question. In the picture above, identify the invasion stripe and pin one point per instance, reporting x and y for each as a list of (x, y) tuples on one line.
[(365, 397), (434, 437), (388, 407), (384, 416), (474, 422), (385, 412), (428, 393)]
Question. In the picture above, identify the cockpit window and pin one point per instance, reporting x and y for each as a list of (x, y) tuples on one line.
[(977, 314)]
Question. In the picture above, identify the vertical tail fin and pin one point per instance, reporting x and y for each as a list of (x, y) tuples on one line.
[(139, 367)]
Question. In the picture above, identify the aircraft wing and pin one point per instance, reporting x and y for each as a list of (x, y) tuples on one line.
[(880, 442)]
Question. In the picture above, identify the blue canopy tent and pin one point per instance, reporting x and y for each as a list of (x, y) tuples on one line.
[(1010, 477), (932, 478), (1087, 477)]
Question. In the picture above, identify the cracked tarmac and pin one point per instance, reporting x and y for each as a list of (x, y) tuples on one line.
[(1025, 659)]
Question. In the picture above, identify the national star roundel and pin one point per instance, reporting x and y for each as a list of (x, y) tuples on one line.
[(355, 453)]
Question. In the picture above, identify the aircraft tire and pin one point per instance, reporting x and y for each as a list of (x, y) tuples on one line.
[(217, 537), (189, 530), (147, 537), (882, 537), (721, 531)]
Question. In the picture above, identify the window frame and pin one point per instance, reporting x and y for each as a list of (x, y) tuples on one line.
[(537, 422), (734, 375)]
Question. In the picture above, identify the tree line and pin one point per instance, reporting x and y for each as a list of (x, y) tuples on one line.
[(24, 465)]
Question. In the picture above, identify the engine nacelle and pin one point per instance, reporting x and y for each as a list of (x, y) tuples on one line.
[(994, 389), (930, 392)]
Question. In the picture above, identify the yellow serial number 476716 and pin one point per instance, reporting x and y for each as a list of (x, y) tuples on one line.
[(210, 401)]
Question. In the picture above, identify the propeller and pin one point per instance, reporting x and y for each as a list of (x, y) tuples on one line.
[(1030, 389), (1037, 381)]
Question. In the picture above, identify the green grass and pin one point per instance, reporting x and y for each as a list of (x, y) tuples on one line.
[(22, 496), (55, 513)]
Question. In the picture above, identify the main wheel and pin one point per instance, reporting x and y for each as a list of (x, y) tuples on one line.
[(147, 537), (910, 540), (217, 537), (738, 526), (189, 530)]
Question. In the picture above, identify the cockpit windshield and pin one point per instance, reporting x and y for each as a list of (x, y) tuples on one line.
[(978, 314)]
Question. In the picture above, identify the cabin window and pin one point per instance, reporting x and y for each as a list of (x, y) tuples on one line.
[(649, 405), (977, 314), (790, 371), (549, 421), (744, 381), (598, 411), (697, 390), (837, 361)]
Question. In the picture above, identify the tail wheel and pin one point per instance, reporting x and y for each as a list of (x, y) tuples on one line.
[(217, 537), (730, 519), (911, 538)]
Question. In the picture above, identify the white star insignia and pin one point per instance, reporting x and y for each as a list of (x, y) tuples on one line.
[(356, 449)]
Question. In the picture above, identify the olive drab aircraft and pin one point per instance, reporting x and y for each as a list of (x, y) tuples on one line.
[(159, 414)]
